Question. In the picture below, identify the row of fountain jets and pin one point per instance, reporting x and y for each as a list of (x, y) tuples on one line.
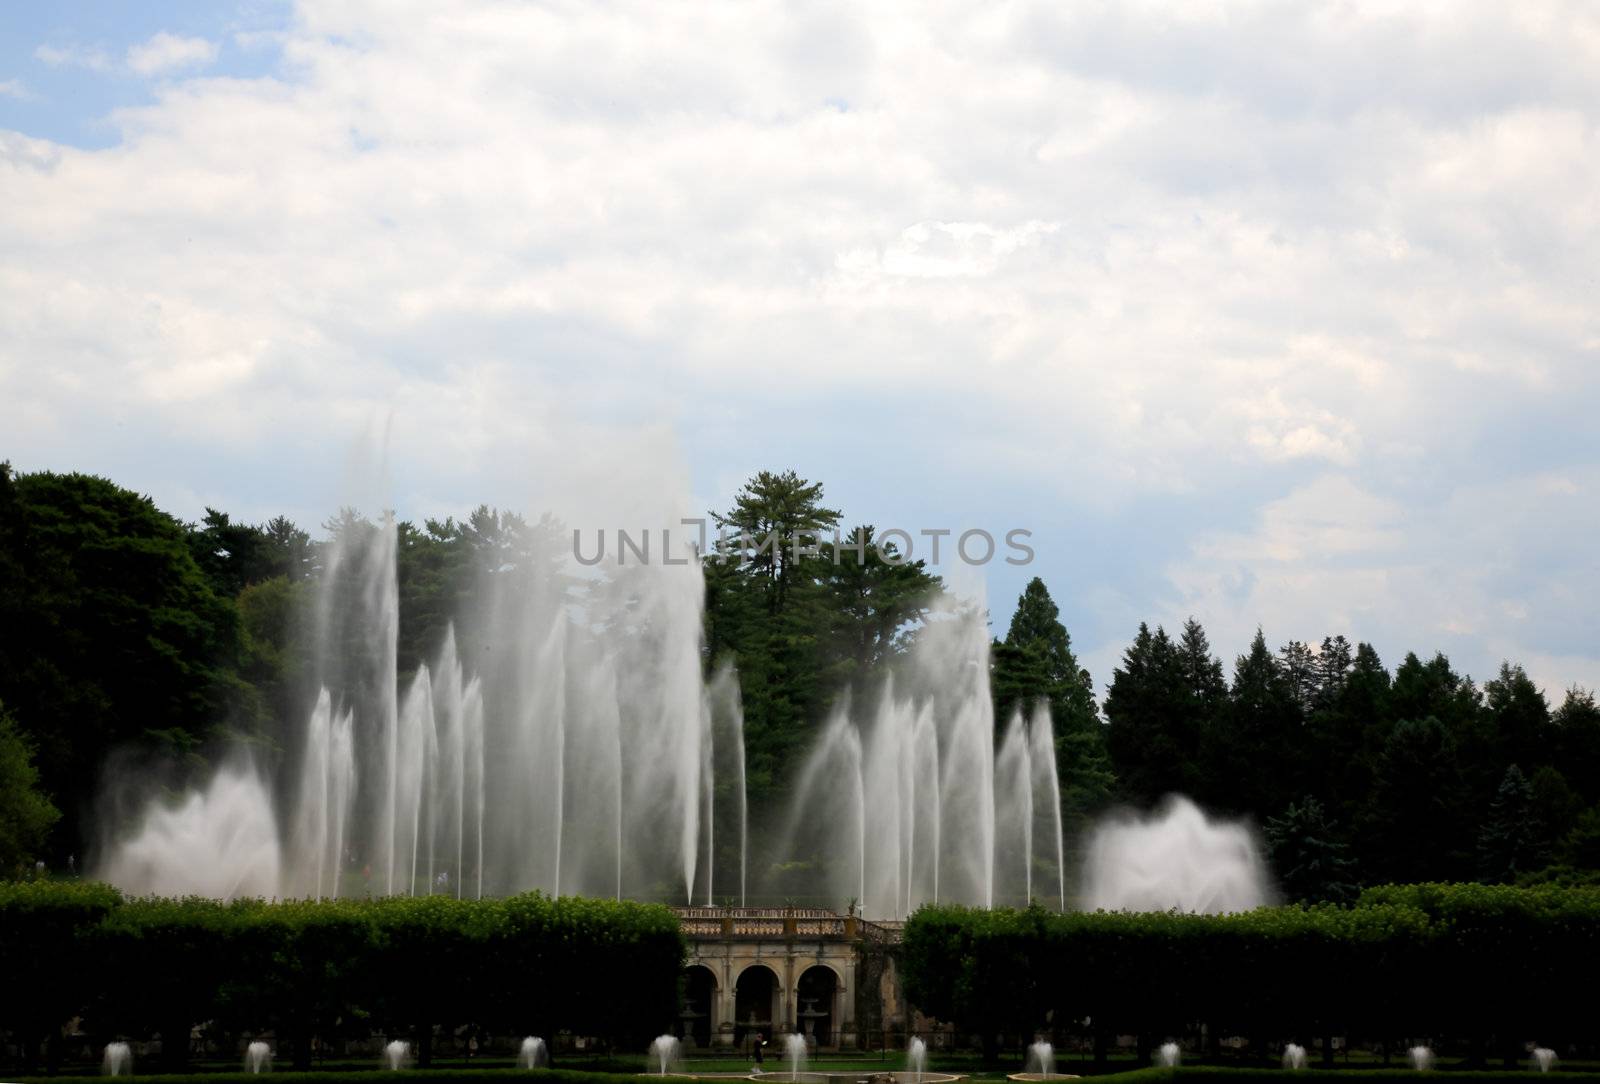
[(666, 1055), (582, 752)]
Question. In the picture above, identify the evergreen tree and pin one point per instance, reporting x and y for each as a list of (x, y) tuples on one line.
[(1252, 747), (1507, 844), (1312, 863), (777, 517), (1575, 729), (1035, 663), (1333, 663), (1203, 679), (1414, 826), (1298, 667), (869, 597), (1519, 717), (1148, 733)]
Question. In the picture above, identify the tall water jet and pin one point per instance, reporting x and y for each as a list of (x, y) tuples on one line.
[(396, 1055), (1177, 858), (532, 1054), (917, 1059), (117, 1059), (1041, 1059), (664, 1053), (907, 802), (1169, 1055), (794, 1054), (1294, 1056), (1421, 1058), (1544, 1058), (257, 1057), (321, 821)]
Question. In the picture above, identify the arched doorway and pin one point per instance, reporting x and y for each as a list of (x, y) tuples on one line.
[(699, 1006), (816, 1015), (755, 1003)]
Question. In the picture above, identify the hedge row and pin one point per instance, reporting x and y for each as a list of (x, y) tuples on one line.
[(134, 968), (437, 1076), (1485, 967)]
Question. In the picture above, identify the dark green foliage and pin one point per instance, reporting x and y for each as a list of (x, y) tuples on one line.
[(1154, 722), (1509, 842), (397, 966), (437, 1076), (45, 953), (1311, 860), (1482, 963), (26, 814), (805, 618), (109, 631), (1035, 666)]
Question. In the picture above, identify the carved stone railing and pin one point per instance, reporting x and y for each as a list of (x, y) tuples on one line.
[(776, 923)]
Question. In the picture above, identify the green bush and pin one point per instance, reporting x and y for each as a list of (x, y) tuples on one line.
[(438, 1076), (330, 970), (45, 929), (1488, 966)]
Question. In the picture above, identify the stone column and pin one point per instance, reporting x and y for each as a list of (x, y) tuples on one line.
[(722, 1027), (845, 1006), (789, 1004)]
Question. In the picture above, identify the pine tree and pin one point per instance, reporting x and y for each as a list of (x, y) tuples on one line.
[(1297, 664), (1334, 660), (1507, 845), (1312, 862)]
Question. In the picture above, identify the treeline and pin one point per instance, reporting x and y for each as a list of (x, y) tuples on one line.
[(1357, 775), (411, 968), (122, 628), (1475, 971)]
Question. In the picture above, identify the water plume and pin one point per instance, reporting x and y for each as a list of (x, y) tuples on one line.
[(1177, 858)]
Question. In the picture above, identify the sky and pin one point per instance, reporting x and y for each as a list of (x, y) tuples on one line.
[(1280, 316)]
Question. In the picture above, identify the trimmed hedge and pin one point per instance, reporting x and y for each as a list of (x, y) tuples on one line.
[(375, 1076), (1491, 966), (304, 970)]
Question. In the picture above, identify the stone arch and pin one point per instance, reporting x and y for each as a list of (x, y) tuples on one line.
[(819, 989), (756, 1003), (698, 1011)]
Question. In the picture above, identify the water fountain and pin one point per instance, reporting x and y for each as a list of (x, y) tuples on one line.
[(1169, 1055), (1544, 1058), (1041, 1059), (794, 1054), (1177, 858), (917, 1059), (257, 1057), (584, 754), (909, 801), (396, 1055), (533, 1054), (1294, 1056), (1039, 1064), (664, 1053), (1421, 1058), (117, 1059)]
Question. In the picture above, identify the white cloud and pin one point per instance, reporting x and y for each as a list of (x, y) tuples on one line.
[(1094, 260), (15, 89), (166, 52), (74, 56)]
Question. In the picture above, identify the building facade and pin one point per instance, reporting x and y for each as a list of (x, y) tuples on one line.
[(769, 972)]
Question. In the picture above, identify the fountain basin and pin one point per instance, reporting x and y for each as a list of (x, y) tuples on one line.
[(1042, 1076)]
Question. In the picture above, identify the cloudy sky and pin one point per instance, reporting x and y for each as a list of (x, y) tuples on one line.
[(1276, 314)]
